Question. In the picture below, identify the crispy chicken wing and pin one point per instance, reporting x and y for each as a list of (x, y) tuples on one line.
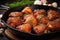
[(27, 10), (39, 29), (44, 20), (54, 25), (30, 19), (15, 14), (14, 21), (39, 12), (52, 14), (24, 28)]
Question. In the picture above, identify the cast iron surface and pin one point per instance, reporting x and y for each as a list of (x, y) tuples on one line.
[(29, 36)]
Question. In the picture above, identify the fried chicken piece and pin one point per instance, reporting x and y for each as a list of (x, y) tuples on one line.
[(15, 14), (39, 29), (54, 25), (27, 10), (24, 28), (44, 20), (14, 21), (39, 17), (52, 14), (30, 19), (39, 12)]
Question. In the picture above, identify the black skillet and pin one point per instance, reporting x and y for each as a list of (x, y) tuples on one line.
[(29, 36)]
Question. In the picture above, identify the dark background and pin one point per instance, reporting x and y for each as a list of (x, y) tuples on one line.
[(7, 1), (51, 1), (10, 1)]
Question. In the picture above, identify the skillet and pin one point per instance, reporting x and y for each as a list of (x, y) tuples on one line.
[(29, 36)]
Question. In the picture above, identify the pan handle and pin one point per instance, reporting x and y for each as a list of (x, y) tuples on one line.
[(3, 7), (2, 27), (3, 24)]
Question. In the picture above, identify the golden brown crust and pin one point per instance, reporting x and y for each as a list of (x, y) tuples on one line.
[(27, 10), (28, 20)]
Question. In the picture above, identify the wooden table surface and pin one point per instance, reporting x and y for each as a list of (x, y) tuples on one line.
[(12, 36)]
